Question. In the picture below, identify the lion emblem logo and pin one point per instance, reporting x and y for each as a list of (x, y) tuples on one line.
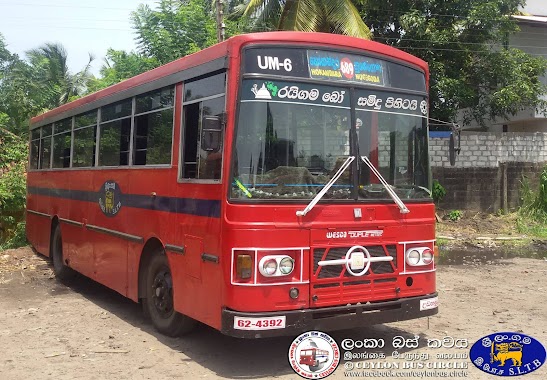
[(507, 351)]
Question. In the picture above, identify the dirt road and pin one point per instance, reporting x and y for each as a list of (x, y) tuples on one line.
[(86, 331)]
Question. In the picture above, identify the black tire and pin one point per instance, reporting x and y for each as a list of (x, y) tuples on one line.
[(158, 299), (315, 368), (62, 272)]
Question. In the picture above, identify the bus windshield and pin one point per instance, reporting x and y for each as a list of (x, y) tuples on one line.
[(292, 138)]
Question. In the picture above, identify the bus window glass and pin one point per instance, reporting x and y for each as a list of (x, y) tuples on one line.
[(154, 128), (84, 147), (34, 152), (86, 119), (289, 148), (61, 150), (35, 134), (392, 132), (45, 153), (61, 126), (114, 143), (205, 87), (47, 130), (154, 100), (153, 136), (200, 163), (61, 143), (116, 110)]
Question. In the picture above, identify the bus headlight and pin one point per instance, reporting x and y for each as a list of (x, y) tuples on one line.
[(268, 267), (427, 256), (286, 265), (413, 257), (276, 265), (417, 256)]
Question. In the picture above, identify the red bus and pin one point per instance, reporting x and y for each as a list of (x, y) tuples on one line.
[(313, 357), (268, 185)]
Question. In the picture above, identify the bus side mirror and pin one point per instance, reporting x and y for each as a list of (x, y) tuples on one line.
[(211, 133), (452, 150)]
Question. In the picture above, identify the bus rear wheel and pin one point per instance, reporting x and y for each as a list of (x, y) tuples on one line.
[(62, 272), (158, 301)]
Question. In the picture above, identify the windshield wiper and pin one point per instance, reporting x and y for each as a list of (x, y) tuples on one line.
[(329, 184), (387, 186)]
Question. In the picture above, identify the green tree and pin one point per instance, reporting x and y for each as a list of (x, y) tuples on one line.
[(120, 65), (16, 102), (52, 77), (463, 42), (13, 159), (329, 16), (174, 29)]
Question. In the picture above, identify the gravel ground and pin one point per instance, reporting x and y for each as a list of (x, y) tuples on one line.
[(86, 331)]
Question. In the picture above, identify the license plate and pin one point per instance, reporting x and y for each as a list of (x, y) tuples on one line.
[(266, 323), (430, 303), (357, 261)]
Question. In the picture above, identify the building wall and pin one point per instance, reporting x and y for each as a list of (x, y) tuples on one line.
[(490, 169)]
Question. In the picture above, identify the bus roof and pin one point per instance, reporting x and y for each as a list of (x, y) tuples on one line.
[(231, 46)]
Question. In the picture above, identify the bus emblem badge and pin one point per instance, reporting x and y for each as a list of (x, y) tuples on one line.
[(263, 93), (110, 198), (314, 355)]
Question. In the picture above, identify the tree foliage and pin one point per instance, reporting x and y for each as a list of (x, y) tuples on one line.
[(120, 65), (173, 30), (13, 159), (42, 82), (52, 78), (472, 74), (16, 103), (329, 16)]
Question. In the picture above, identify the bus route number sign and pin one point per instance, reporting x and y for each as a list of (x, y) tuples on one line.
[(265, 323)]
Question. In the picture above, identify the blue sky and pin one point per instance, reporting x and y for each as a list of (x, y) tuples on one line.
[(82, 26)]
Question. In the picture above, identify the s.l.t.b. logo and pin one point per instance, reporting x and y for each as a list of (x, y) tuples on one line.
[(110, 198)]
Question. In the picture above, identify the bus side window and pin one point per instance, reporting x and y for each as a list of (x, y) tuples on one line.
[(203, 100), (153, 133), (200, 162), (115, 129)]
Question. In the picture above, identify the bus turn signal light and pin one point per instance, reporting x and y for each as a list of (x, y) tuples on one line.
[(244, 268)]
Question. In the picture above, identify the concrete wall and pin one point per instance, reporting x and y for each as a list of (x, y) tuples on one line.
[(488, 163)]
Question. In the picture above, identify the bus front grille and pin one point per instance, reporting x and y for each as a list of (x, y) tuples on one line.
[(333, 284)]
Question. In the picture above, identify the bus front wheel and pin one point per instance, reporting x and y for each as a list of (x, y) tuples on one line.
[(158, 301), (62, 272)]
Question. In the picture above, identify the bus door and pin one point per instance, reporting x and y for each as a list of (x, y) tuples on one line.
[(200, 192)]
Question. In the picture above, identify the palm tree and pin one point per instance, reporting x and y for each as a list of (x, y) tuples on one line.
[(52, 76), (330, 16)]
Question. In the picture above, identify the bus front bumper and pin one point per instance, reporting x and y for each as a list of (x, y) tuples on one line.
[(329, 318)]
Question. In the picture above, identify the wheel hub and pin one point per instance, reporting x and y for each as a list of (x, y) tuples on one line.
[(163, 293)]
